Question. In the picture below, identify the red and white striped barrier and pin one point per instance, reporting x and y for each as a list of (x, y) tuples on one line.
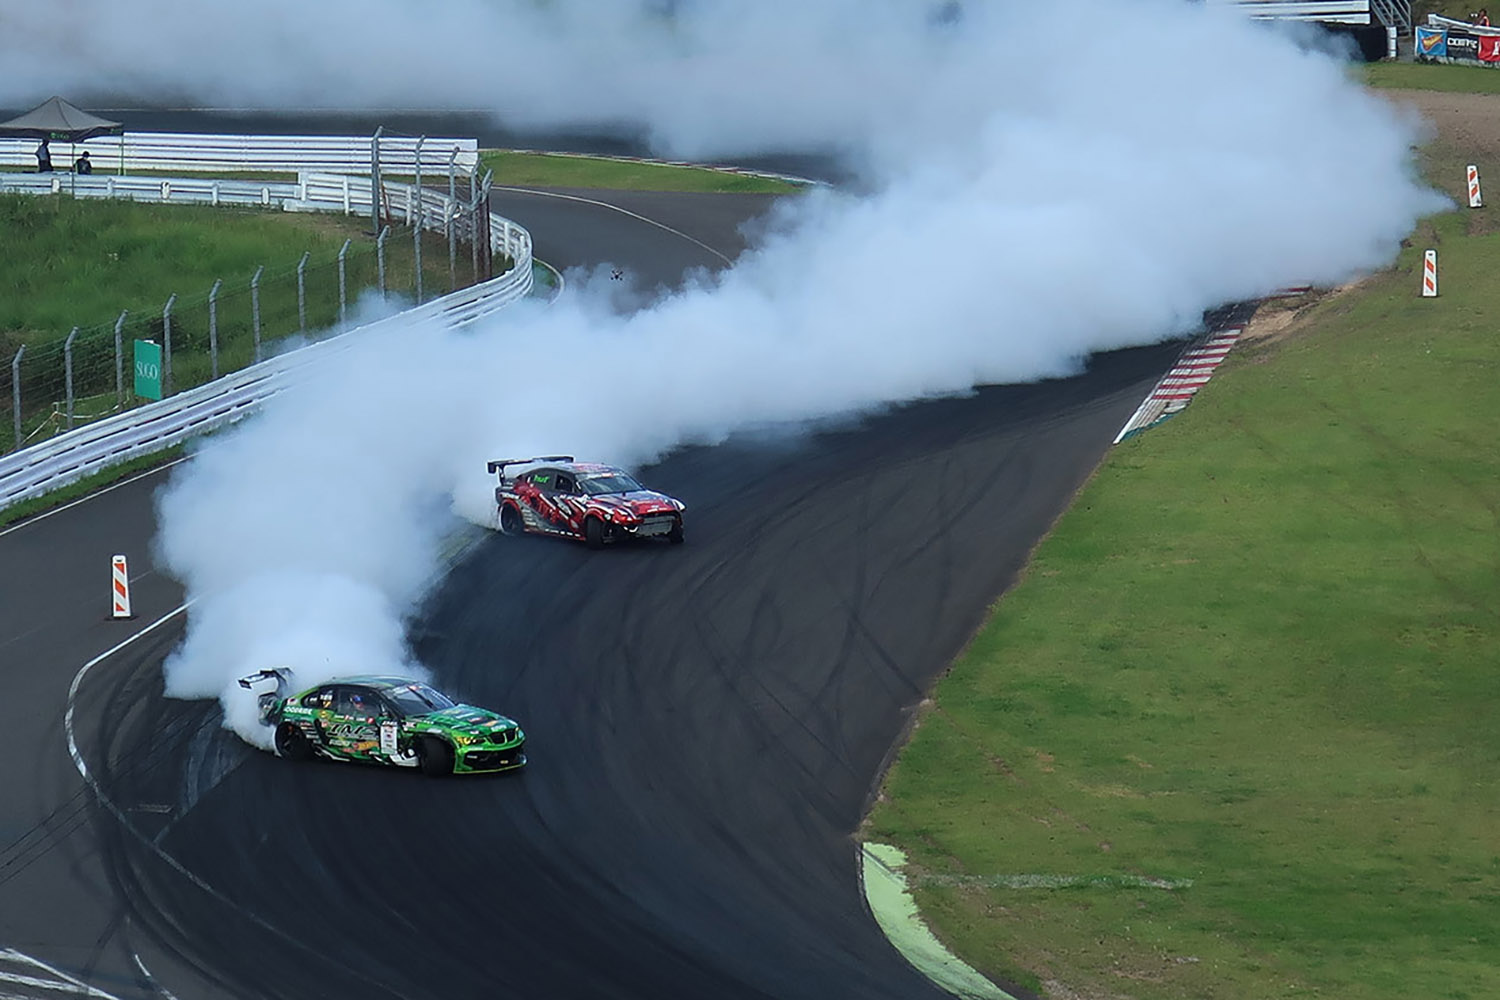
[(1181, 384), (1474, 200), (121, 587), (1429, 274)]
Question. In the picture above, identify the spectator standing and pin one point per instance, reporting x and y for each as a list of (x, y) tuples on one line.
[(43, 158), (82, 165), (1484, 18)]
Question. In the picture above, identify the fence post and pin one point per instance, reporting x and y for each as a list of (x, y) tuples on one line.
[(120, 359), (213, 326), (380, 257), (15, 393), (343, 286), (453, 174), (474, 234), (416, 240), (255, 309), (418, 185), (375, 180), (166, 351), (488, 250), (302, 291), (448, 213), (68, 373)]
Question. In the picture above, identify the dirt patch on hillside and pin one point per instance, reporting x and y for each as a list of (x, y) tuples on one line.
[(1469, 122), (1289, 316), (1465, 128)]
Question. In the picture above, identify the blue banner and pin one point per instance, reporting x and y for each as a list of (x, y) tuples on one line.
[(1431, 43)]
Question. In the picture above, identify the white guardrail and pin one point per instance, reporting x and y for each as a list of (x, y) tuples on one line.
[(263, 153), (311, 192), (33, 471)]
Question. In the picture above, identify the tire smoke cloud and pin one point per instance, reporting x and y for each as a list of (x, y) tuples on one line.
[(1032, 191)]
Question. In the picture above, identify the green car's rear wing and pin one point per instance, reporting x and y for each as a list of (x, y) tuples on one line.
[(268, 700)]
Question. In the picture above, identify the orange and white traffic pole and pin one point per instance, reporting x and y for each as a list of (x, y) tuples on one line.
[(121, 587), (1429, 274), (1475, 201)]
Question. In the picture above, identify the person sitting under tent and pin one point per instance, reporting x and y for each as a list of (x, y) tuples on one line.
[(82, 165), (43, 158)]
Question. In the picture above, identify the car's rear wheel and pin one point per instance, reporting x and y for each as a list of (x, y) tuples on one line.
[(510, 521), (291, 743), (593, 533), (434, 756)]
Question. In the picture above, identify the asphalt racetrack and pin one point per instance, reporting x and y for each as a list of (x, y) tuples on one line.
[(706, 722)]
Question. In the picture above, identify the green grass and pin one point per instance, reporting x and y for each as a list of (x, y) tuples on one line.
[(67, 262), (1433, 76), (1259, 653), (547, 170)]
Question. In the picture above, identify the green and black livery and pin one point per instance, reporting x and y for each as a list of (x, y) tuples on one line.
[(395, 721)]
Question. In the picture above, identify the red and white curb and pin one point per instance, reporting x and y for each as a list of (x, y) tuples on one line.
[(1192, 372), (1181, 384)]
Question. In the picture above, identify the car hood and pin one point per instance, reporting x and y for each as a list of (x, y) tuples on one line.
[(638, 502), (465, 719)]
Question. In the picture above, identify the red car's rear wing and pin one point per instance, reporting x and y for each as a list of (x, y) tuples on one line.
[(499, 466)]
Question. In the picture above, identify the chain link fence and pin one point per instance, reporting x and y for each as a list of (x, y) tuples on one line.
[(202, 333)]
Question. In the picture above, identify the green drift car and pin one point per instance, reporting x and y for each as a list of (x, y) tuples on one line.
[(386, 720)]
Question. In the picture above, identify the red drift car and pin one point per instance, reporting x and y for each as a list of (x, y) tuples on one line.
[(598, 504)]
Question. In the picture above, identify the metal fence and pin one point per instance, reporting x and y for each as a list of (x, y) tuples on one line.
[(31, 472), (70, 378)]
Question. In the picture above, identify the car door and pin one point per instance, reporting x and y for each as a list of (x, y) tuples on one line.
[(320, 704), (544, 500), (568, 501), (354, 730)]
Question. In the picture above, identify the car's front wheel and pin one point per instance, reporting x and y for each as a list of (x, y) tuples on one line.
[(510, 521), (291, 743), (593, 533), (675, 535), (434, 756)]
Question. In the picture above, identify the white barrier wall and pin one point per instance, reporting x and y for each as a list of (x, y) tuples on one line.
[(270, 153)]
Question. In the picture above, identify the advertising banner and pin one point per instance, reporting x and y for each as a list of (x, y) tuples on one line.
[(1462, 45), (1432, 43), (1489, 48)]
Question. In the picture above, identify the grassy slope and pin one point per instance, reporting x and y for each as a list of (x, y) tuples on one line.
[(1259, 654), (543, 170), (68, 262)]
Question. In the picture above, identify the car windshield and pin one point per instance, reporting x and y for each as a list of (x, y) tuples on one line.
[(418, 699), (614, 482)]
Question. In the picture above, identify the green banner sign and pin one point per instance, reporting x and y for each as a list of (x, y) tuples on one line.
[(148, 369)]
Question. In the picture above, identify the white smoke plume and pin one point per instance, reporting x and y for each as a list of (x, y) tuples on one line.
[(1035, 189)]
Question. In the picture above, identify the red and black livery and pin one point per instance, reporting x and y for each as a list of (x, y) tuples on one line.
[(595, 504)]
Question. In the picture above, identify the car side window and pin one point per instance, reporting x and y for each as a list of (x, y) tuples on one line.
[(565, 484), (319, 700), (356, 702), (543, 480)]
